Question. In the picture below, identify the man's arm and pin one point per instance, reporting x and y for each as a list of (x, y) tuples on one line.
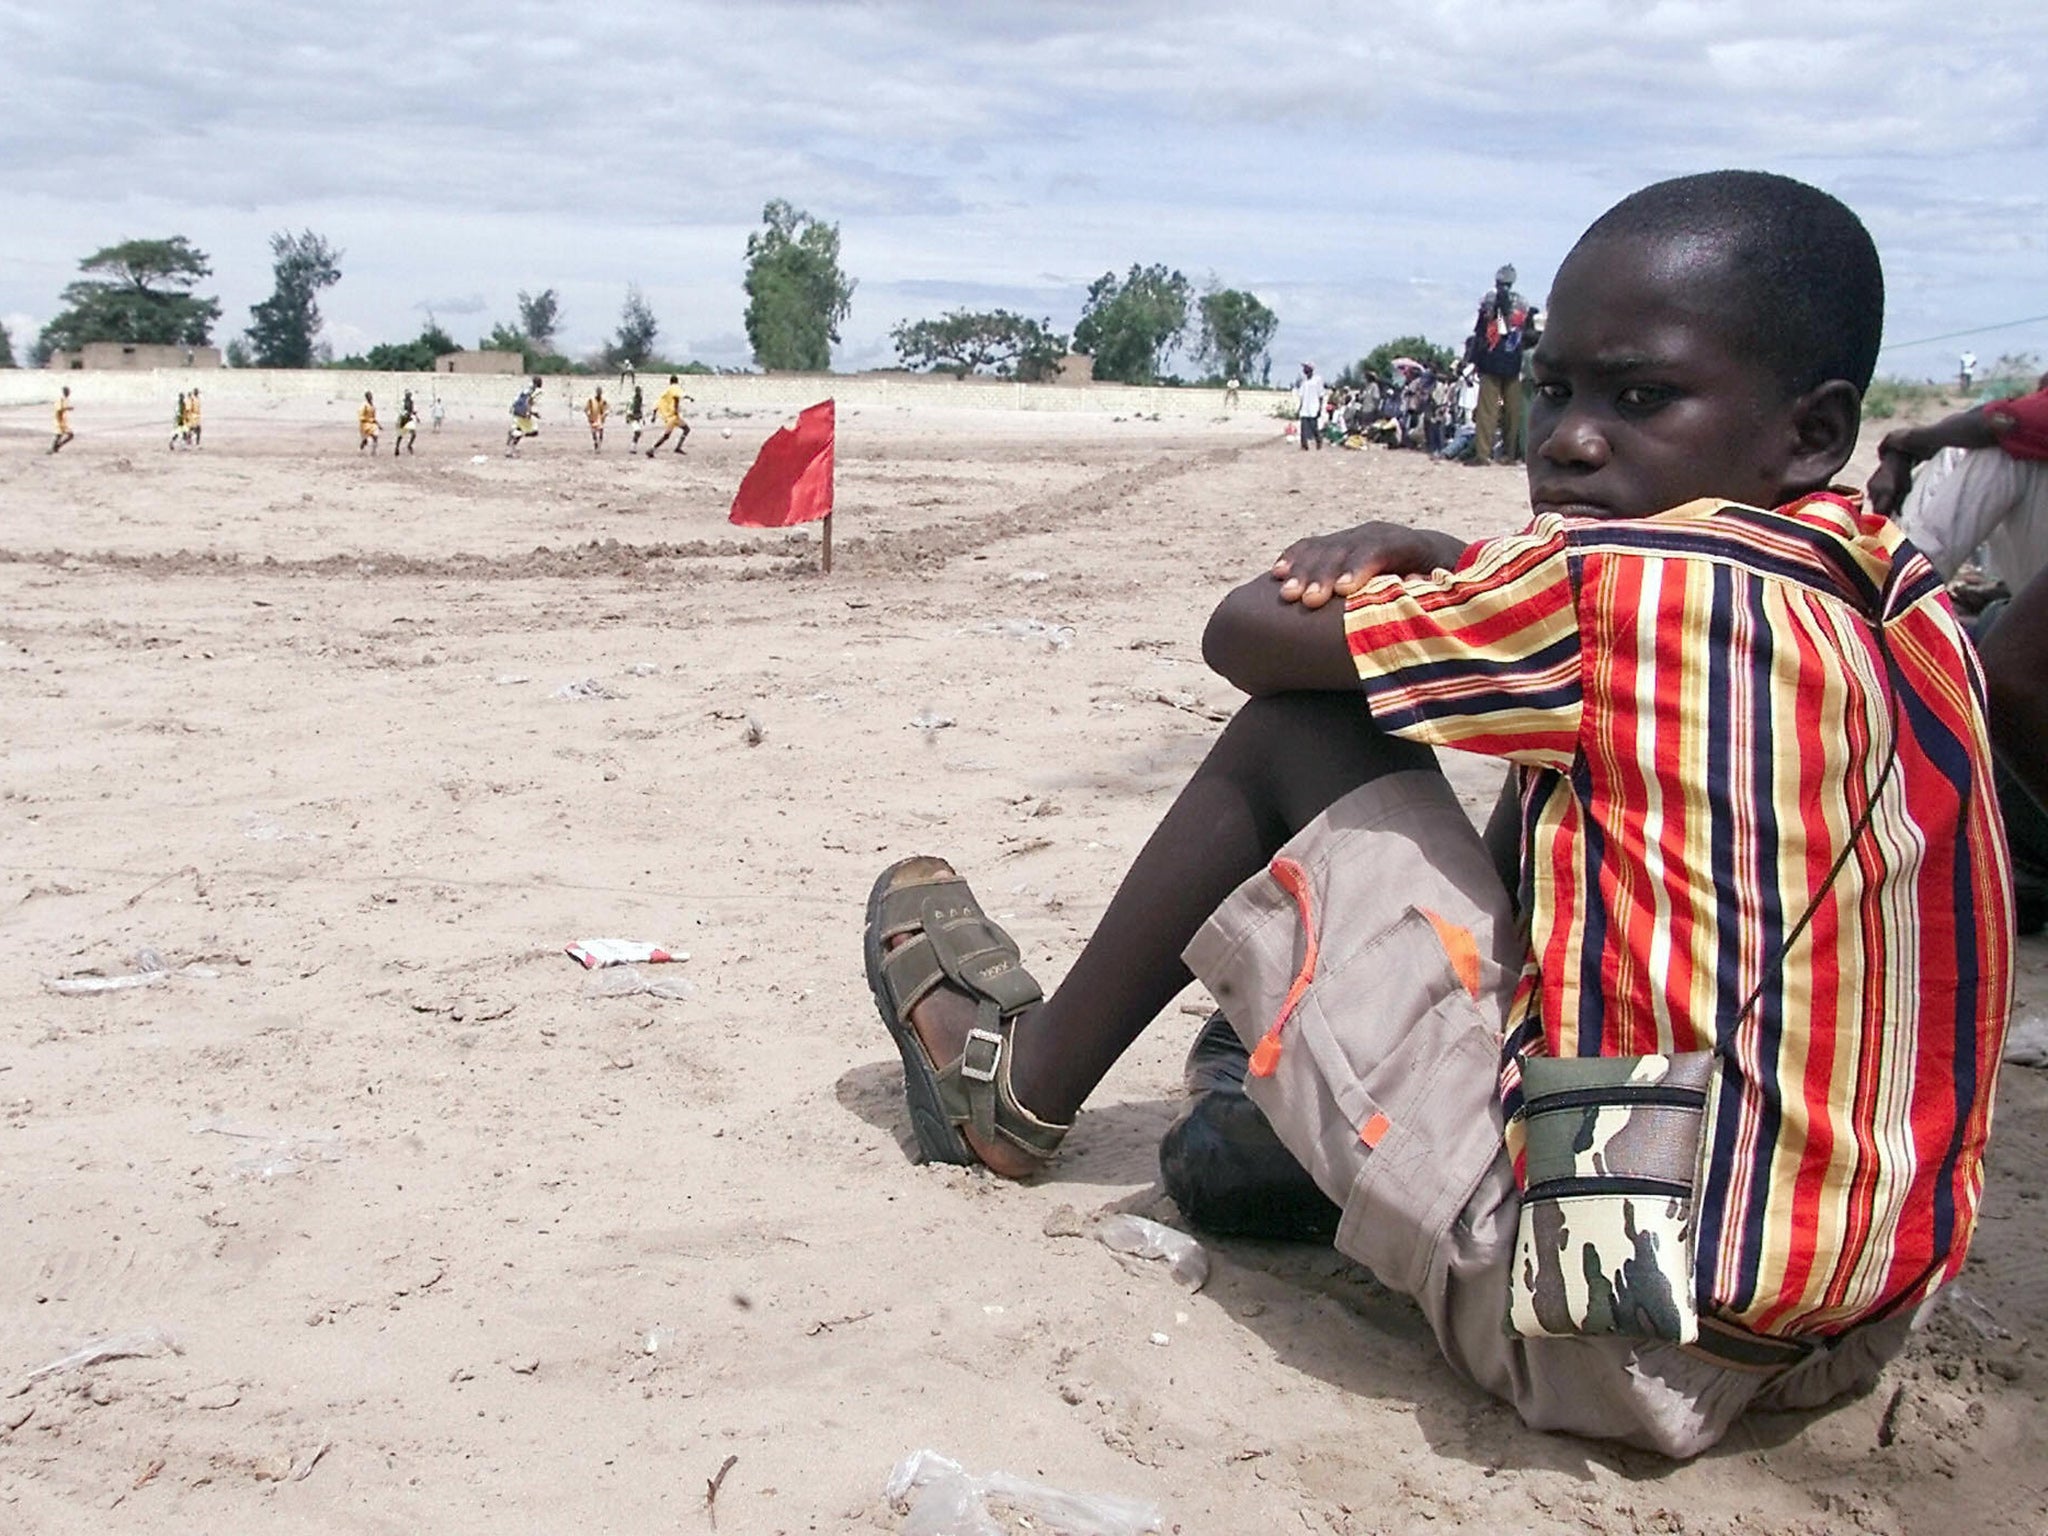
[(2015, 657), (1902, 450)]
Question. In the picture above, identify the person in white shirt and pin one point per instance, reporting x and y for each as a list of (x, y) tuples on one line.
[(1309, 394)]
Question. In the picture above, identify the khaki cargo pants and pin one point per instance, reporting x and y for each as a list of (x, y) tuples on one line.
[(1386, 1088)]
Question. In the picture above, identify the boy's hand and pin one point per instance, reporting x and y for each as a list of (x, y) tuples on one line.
[(1311, 571)]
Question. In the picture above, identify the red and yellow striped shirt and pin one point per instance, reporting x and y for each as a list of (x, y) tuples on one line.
[(1702, 708)]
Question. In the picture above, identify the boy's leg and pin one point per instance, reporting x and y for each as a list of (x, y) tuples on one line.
[(1277, 766)]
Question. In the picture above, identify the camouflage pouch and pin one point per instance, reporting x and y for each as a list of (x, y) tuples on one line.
[(1612, 1157)]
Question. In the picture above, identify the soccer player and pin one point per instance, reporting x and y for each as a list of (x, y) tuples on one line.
[(595, 409), (668, 410), (64, 432), (366, 424), (408, 425), (636, 413)]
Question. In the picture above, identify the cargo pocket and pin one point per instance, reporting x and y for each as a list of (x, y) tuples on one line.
[(1383, 1081)]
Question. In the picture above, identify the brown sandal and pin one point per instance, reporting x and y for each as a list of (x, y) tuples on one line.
[(953, 941)]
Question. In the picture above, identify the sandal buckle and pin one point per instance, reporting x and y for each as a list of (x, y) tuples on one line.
[(979, 1066)]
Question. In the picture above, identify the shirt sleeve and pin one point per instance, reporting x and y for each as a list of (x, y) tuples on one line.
[(1483, 658), (2022, 425)]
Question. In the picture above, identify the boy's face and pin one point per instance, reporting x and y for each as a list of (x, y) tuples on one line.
[(1646, 396)]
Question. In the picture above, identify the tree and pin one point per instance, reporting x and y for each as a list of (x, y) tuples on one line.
[(6, 347), (1237, 333), (533, 357), (634, 340), (1380, 359), (282, 327), (142, 296), (415, 356), (1128, 327), (540, 316), (998, 342), (796, 292)]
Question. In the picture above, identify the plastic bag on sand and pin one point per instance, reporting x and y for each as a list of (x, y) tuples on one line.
[(626, 981), (272, 1153), (139, 1343), (1145, 1239), (944, 1499)]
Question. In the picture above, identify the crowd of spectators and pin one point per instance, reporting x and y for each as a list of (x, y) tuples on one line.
[(1473, 411)]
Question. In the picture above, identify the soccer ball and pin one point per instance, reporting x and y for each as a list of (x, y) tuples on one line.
[(725, 431)]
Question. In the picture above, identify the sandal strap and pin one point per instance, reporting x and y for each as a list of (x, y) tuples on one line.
[(975, 1090), (954, 940)]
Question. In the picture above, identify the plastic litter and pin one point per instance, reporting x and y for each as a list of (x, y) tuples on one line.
[(150, 969), (271, 1153), (479, 458), (1146, 1239), (642, 669), (942, 1498), (2026, 1040), (1029, 578), (657, 1339), (78, 986), (1980, 1319), (932, 720), (625, 981), (511, 679), (587, 688), (1056, 636), (593, 953), (139, 1343)]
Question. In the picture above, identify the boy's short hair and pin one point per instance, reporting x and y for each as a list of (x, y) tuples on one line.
[(1805, 271)]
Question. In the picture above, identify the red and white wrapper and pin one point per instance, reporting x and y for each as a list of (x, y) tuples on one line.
[(592, 953)]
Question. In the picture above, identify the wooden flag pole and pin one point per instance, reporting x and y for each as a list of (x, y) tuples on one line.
[(828, 544)]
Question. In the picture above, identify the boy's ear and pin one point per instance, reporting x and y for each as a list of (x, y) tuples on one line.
[(1824, 421)]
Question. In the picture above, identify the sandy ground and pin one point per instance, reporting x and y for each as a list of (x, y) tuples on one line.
[(445, 1243)]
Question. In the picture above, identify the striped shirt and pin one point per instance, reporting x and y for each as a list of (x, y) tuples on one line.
[(1701, 710)]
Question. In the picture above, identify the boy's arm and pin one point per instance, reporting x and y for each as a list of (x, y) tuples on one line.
[(1280, 633)]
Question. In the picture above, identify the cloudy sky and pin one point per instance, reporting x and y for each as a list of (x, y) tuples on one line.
[(1361, 167)]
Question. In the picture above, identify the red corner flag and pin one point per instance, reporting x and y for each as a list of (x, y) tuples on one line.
[(791, 481)]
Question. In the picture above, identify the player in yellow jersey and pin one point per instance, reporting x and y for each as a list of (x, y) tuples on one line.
[(177, 423), (64, 432), (366, 424), (668, 410), (595, 409), (192, 419)]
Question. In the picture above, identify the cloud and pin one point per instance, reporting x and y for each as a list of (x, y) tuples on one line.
[(1000, 154)]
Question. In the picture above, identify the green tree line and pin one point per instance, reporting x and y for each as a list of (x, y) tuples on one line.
[(798, 296)]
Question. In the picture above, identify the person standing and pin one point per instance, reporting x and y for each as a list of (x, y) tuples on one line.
[(1495, 349), (192, 419), (1308, 395), (595, 409), (366, 424), (178, 423), (64, 432), (1230, 388), (1966, 370)]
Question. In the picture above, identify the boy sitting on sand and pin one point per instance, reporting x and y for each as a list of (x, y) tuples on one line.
[(1763, 915)]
